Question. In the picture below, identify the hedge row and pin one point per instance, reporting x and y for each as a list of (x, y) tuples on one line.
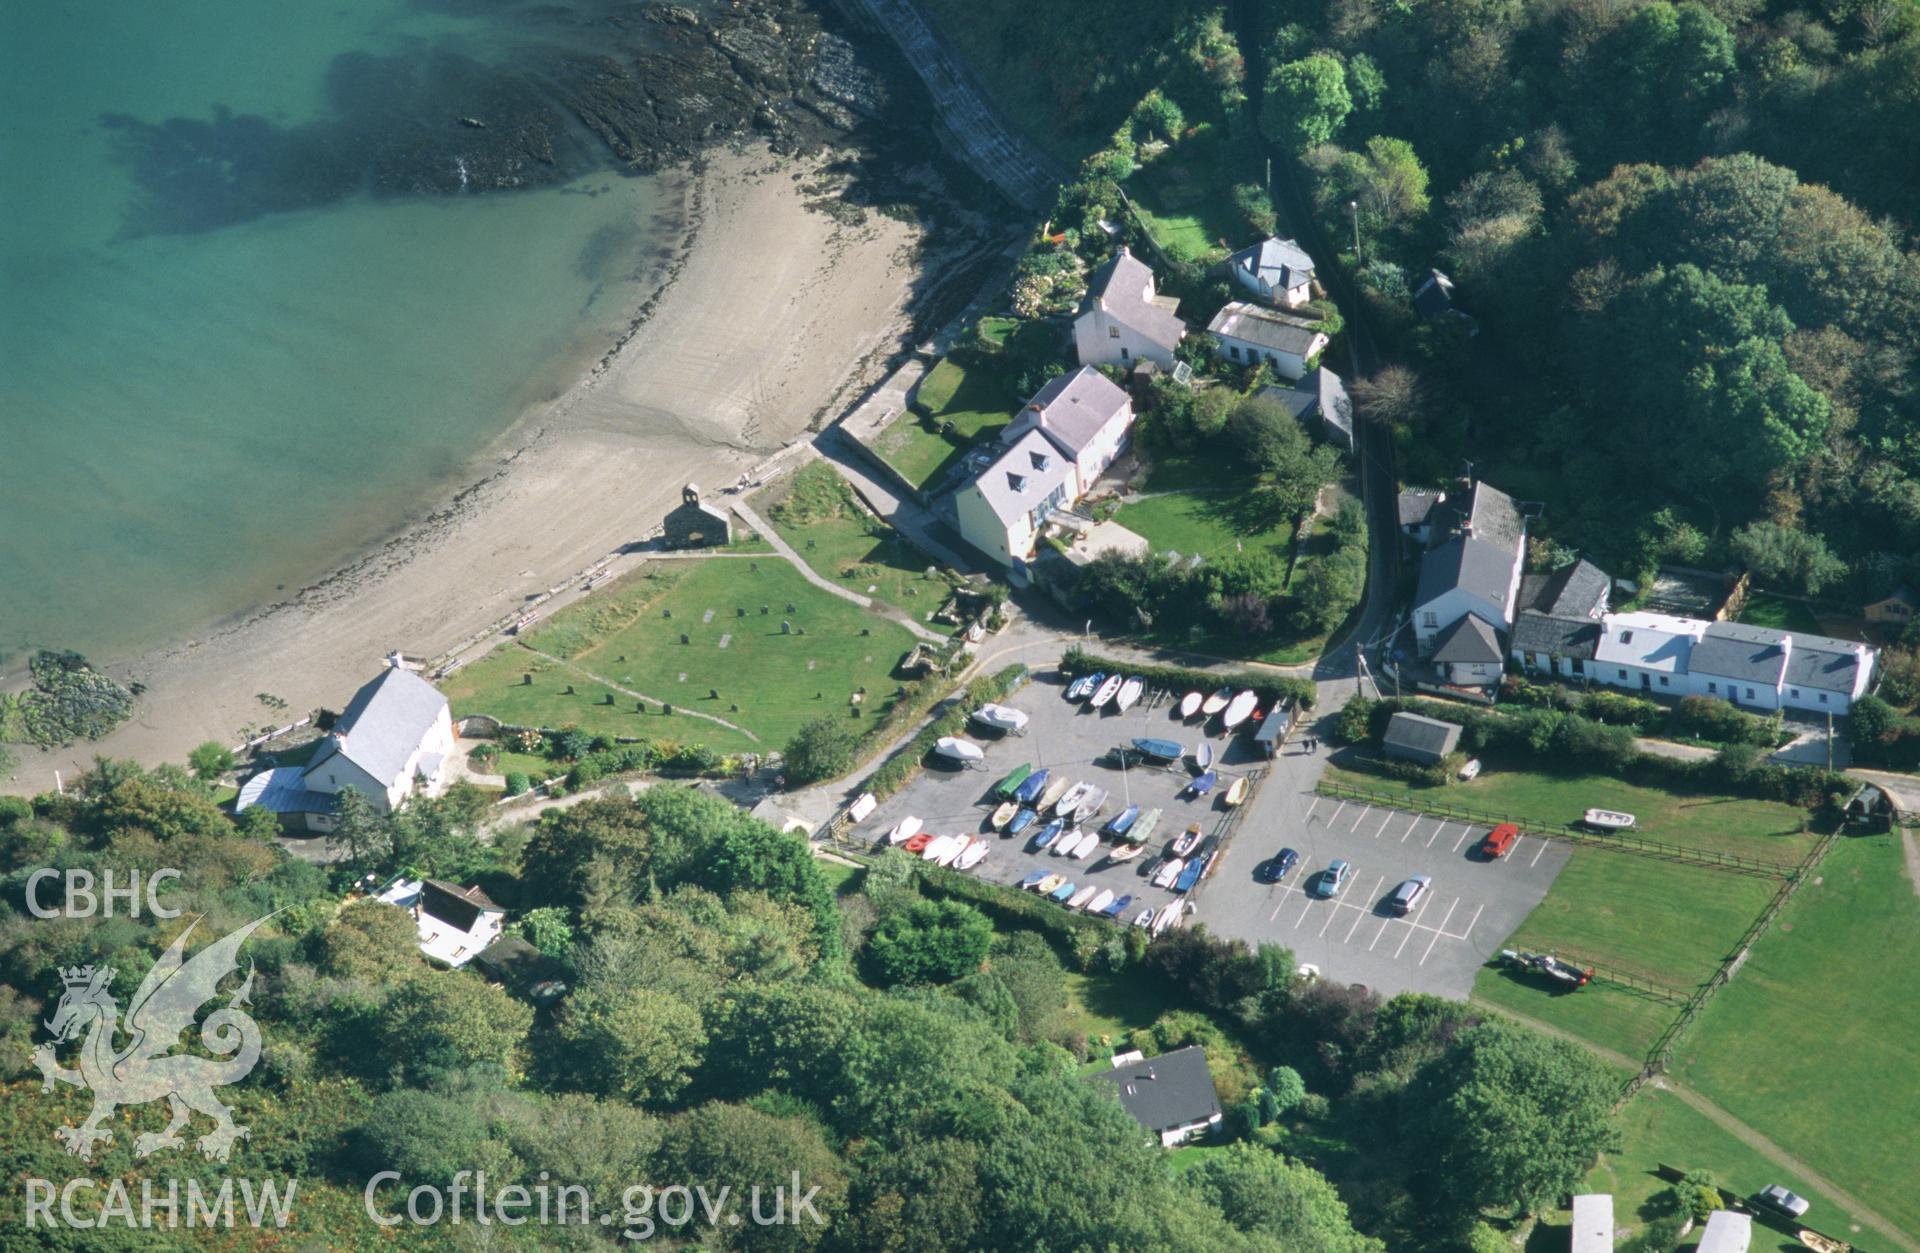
[(1695, 717), (1078, 938), (1270, 688), (903, 765)]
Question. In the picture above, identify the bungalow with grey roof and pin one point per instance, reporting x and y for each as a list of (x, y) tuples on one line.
[(1171, 1095), (1278, 271), (1250, 335), (1321, 396), (1122, 319)]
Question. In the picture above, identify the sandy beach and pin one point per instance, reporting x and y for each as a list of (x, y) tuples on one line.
[(772, 317)]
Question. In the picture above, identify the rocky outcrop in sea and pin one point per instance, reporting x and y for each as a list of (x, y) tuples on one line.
[(584, 86)]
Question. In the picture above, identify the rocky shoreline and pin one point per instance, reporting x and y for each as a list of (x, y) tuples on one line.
[(638, 89)]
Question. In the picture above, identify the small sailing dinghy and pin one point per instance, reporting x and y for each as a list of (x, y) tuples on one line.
[(1168, 872), (1238, 792), (1032, 880), (1051, 797), (1090, 808), (1081, 897), (1190, 705), (1003, 815), (1048, 834), (1216, 702), (1609, 819), (1108, 689), (1184, 842), (974, 854), (1004, 790), (904, 830), (1119, 907), (1125, 852), (959, 750), (1021, 821), (1144, 918), (1032, 786), (1048, 883), (1204, 784), (1089, 845), (1101, 900), (1083, 687), (1239, 710), (1064, 891), (1161, 750), (918, 844), (1001, 718), (1203, 756), (1071, 801), (1122, 822), (1129, 693)]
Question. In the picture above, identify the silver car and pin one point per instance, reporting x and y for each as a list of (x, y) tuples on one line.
[(1775, 1197), (1408, 894)]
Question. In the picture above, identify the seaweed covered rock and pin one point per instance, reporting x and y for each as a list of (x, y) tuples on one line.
[(69, 700)]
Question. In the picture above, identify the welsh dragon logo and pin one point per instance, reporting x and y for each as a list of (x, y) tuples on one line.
[(147, 1068)]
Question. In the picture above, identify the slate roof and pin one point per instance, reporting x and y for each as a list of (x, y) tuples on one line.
[(1281, 264), (1578, 591), (1123, 287), (1172, 1090), (1474, 565), (283, 790), (1250, 324), (1419, 737), (383, 724), (1467, 639), (1023, 476), (1073, 409), (1749, 654), (1650, 641), (1574, 638), (1417, 506), (1321, 394), (1823, 669), (451, 903), (1435, 296)]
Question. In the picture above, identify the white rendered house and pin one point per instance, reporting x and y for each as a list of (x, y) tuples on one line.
[(1250, 335), (454, 923), (1275, 270), (1002, 509), (1123, 320), (1084, 415)]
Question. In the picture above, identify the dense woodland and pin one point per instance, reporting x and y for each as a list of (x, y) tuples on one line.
[(731, 1019), (1683, 230)]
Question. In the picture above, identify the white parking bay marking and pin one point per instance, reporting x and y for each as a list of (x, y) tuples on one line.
[(1360, 912), (1537, 852), (1413, 924), (1438, 828), (1383, 824), (1382, 931), (1476, 918), (1336, 813), (1411, 828), (1312, 807), (1359, 818), (1464, 833), (1518, 840), (1442, 931)]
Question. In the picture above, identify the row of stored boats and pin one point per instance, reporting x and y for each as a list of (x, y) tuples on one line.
[(1103, 902), (1123, 691)]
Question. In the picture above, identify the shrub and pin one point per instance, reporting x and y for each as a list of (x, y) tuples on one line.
[(210, 760), (931, 942), (823, 749), (517, 782)]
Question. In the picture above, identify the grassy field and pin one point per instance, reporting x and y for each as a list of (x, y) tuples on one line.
[(1658, 1127), (1779, 612), (817, 513), (977, 401), (626, 638), (1767, 830), (1816, 1043), (1599, 1013), (1206, 522), (1111, 1005), (1665, 921)]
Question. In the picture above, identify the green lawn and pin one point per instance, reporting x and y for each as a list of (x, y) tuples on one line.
[(1762, 609), (1767, 830), (843, 879), (1658, 1127), (1600, 1013), (1185, 198), (1665, 921), (1206, 522), (1110, 1005), (817, 513), (977, 402), (1816, 1043), (780, 682)]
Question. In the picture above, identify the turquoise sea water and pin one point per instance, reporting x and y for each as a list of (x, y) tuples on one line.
[(190, 421)]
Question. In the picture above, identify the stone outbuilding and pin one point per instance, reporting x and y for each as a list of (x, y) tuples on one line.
[(696, 524)]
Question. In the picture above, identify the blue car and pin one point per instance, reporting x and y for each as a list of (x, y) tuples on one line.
[(1280, 865)]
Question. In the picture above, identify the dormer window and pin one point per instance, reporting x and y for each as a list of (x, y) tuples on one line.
[(1626, 637), (1018, 482), (1039, 460)]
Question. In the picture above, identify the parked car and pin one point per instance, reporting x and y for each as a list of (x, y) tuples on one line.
[(1775, 1197), (1279, 865), (1498, 841), (1408, 894), (1470, 771), (1331, 879)]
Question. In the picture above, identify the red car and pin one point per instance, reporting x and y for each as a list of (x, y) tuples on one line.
[(1498, 841)]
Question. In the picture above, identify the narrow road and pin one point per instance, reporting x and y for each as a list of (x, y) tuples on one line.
[(807, 572)]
